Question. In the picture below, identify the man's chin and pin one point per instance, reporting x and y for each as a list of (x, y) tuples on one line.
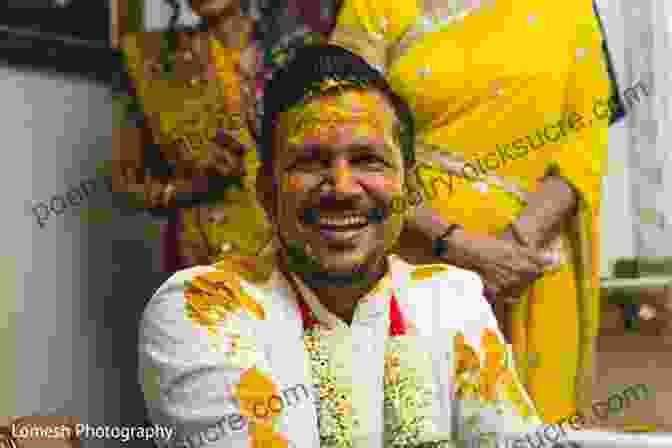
[(337, 279), (328, 268), (342, 273)]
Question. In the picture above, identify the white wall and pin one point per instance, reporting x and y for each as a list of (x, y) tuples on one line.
[(617, 218), (74, 289), (157, 14)]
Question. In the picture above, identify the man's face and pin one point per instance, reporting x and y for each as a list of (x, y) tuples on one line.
[(338, 165)]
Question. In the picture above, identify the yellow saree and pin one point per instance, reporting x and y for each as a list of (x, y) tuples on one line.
[(512, 88)]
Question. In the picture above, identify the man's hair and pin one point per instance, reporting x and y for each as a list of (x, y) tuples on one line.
[(301, 78)]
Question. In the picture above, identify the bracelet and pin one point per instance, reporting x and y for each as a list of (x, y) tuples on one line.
[(440, 244)]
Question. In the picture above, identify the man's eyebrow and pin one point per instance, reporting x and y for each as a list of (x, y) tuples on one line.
[(298, 150), (355, 147)]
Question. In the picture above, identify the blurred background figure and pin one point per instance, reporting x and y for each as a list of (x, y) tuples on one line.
[(185, 145), (197, 166)]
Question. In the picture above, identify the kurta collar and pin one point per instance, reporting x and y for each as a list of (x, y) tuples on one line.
[(379, 303)]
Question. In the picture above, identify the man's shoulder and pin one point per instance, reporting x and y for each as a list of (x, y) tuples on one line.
[(441, 275), (210, 294), (168, 302), (450, 294)]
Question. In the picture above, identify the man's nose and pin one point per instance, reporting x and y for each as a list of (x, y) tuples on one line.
[(343, 179)]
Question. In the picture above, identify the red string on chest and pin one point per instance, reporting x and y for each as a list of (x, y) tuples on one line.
[(398, 324)]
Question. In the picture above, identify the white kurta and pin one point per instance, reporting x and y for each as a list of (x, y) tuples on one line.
[(189, 376)]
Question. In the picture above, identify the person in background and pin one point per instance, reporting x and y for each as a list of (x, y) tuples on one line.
[(218, 214), (512, 157), (185, 144)]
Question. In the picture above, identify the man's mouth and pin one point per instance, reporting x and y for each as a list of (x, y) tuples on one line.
[(342, 221), (344, 226)]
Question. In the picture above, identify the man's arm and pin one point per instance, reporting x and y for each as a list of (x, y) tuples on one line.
[(199, 366), (491, 401)]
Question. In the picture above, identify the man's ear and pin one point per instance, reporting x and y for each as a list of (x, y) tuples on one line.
[(266, 190)]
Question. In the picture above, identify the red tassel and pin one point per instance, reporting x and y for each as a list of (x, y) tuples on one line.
[(306, 315), (397, 323)]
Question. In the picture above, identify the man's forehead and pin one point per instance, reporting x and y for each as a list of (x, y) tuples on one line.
[(358, 99), (368, 110), (344, 136)]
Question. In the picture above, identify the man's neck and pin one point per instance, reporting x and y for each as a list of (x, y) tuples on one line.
[(342, 300)]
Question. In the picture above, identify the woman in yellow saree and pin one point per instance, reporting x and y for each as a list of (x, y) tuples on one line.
[(510, 102)]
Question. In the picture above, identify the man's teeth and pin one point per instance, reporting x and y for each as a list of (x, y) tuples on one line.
[(348, 221)]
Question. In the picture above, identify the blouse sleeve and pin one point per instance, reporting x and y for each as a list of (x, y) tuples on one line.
[(492, 404), (200, 370), (581, 159), (368, 27)]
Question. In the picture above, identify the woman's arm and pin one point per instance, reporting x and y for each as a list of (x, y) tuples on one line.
[(547, 209), (502, 264)]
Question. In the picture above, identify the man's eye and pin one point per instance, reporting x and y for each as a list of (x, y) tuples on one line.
[(308, 163), (369, 160)]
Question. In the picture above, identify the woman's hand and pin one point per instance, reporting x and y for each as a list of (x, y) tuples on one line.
[(507, 268), (228, 155), (161, 193), (158, 193)]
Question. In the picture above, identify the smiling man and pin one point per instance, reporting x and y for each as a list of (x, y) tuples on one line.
[(396, 355)]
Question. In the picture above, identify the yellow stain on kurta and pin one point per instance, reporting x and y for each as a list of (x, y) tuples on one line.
[(263, 436), (426, 272), (495, 365), (212, 297), (490, 380), (254, 393)]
